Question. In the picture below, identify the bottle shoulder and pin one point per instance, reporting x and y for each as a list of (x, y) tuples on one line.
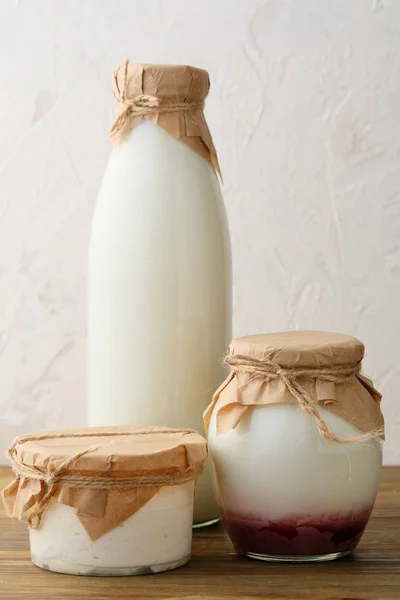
[(152, 173), (151, 152)]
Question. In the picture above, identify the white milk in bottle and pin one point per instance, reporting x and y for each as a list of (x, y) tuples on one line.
[(159, 292)]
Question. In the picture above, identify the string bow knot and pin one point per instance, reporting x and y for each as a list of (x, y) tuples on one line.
[(295, 380)]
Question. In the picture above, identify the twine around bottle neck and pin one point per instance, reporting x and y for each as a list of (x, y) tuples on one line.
[(294, 378), (143, 104)]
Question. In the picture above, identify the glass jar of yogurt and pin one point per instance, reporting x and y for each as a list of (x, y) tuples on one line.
[(110, 501), (294, 436)]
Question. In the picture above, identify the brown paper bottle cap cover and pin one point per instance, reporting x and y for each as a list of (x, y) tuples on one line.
[(172, 97), (310, 368), (106, 473)]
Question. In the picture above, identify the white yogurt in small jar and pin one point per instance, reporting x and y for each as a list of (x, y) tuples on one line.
[(107, 501), (284, 491), (156, 538)]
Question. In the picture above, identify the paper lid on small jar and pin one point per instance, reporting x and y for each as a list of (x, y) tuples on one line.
[(106, 473), (301, 348), (115, 450), (313, 367)]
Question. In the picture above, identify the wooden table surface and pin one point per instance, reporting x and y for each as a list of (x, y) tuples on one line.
[(216, 573)]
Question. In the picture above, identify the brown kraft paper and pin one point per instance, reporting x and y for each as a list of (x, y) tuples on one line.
[(135, 461), (355, 399), (172, 97)]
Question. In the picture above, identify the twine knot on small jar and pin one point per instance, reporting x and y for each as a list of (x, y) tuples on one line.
[(302, 367), (97, 473), (267, 370)]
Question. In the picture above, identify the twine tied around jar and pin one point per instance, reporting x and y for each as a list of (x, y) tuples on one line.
[(141, 105), (54, 474), (293, 378)]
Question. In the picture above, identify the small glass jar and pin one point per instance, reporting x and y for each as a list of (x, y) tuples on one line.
[(286, 491), (121, 505), (156, 538)]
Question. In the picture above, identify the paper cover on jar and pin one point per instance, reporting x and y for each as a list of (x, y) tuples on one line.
[(354, 398), (107, 474)]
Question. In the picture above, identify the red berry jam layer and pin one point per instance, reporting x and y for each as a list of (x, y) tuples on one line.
[(296, 536)]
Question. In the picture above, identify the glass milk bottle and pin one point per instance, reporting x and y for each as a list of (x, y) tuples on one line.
[(159, 313)]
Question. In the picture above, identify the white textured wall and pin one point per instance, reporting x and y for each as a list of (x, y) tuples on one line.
[(305, 112)]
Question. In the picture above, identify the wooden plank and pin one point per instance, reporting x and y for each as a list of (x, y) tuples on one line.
[(216, 572)]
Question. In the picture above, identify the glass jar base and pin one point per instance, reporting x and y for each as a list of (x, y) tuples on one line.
[(206, 523), (61, 566), (305, 558)]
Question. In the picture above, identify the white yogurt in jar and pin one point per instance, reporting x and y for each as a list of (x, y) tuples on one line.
[(283, 490), (107, 501), (156, 538)]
